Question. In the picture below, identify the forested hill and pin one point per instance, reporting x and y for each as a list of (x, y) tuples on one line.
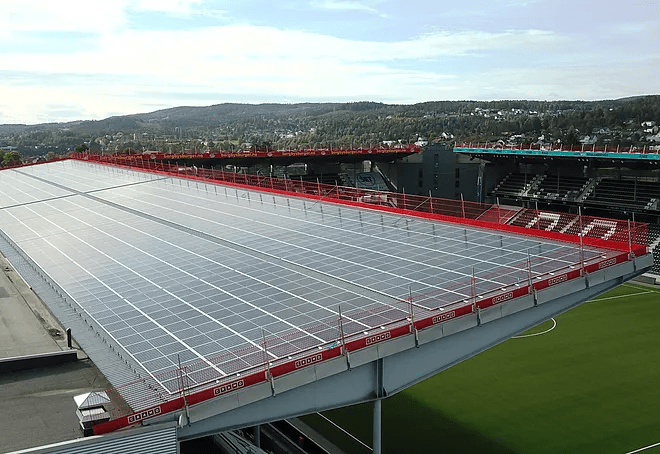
[(629, 121)]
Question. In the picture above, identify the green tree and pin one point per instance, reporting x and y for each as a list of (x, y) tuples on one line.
[(10, 157), (571, 137)]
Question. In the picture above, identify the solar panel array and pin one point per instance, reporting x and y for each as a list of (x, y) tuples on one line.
[(184, 271)]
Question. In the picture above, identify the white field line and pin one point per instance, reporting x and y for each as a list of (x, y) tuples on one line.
[(637, 286), (594, 300), (347, 433), (644, 448), (554, 324), (621, 296)]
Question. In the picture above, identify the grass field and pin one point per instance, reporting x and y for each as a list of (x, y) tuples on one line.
[(590, 385)]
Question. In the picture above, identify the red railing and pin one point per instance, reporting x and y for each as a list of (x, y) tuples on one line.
[(268, 153), (568, 148), (16, 164), (626, 235)]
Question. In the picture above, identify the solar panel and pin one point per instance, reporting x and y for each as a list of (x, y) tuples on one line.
[(178, 270)]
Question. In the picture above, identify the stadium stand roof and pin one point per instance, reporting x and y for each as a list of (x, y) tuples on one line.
[(613, 153), (208, 287)]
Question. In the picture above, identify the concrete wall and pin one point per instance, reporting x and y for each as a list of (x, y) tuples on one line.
[(438, 170)]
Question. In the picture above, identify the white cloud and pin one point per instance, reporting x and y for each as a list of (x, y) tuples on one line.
[(136, 70), (443, 44), (122, 70), (176, 7), (76, 97), (343, 5), (184, 53), (91, 16), (257, 43), (587, 82), (42, 104), (88, 16)]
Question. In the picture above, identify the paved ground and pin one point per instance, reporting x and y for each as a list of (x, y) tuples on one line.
[(36, 406), (27, 326), (21, 329)]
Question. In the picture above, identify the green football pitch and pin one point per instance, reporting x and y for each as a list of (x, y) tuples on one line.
[(587, 382)]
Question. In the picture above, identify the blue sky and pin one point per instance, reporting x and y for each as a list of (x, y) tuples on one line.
[(89, 59)]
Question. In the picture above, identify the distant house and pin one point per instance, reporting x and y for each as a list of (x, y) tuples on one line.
[(589, 140), (654, 138)]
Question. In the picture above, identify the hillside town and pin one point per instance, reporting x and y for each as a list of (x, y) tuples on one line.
[(231, 127)]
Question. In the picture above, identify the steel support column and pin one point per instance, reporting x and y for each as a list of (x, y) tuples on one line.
[(257, 436), (377, 408), (377, 426)]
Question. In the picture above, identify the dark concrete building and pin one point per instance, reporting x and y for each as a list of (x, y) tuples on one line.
[(438, 171)]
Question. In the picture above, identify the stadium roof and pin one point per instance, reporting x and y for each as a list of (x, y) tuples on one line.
[(617, 154), (222, 280)]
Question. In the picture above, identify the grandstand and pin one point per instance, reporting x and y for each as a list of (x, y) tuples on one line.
[(561, 189), (632, 194), (549, 188), (203, 294), (598, 192), (621, 183)]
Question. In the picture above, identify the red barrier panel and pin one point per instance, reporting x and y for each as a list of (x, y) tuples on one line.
[(139, 416), (372, 339), (305, 361), (444, 316), (504, 296), (227, 387), (558, 279), (606, 263)]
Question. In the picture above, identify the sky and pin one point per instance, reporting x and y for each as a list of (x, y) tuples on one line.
[(71, 60)]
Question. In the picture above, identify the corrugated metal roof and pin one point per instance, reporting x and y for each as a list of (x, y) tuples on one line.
[(161, 439)]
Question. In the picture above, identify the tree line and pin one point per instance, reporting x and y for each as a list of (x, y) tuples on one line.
[(290, 126)]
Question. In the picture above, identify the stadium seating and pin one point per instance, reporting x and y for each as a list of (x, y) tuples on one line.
[(629, 194), (565, 189), (568, 223), (514, 185), (626, 194), (550, 222), (333, 179), (598, 194), (654, 241)]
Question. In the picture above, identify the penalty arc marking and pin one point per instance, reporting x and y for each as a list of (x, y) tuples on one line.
[(554, 324)]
